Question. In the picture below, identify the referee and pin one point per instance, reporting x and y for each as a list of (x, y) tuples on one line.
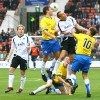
[(20, 47)]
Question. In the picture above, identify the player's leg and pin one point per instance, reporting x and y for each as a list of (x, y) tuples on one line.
[(23, 68), (76, 65), (44, 60), (41, 88), (46, 50), (55, 89), (87, 83), (68, 78), (14, 65), (61, 57), (85, 70)]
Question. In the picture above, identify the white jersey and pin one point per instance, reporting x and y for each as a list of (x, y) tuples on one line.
[(67, 25), (19, 45)]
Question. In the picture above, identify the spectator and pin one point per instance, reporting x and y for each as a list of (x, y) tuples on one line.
[(96, 7), (12, 32), (93, 3), (82, 23), (5, 4), (38, 32), (92, 20), (88, 3), (79, 14), (1, 38), (6, 47), (4, 37), (67, 8), (10, 5), (85, 14), (72, 8), (2, 32), (77, 6), (98, 26), (75, 1), (97, 17)]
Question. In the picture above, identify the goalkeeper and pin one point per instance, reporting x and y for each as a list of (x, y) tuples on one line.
[(59, 81)]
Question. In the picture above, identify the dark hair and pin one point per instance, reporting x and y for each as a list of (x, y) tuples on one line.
[(45, 9), (58, 14), (93, 31)]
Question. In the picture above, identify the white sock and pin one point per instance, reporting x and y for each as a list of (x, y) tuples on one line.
[(68, 71), (41, 88), (57, 64), (73, 78), (53, 64), (87, 85), (23, 80), (43, 68), (57, 91), (10, 80)]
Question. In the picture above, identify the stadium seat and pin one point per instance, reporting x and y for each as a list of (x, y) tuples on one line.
[(1, 4), (9, 42), (4, 52), (10, 39), (1, 59)]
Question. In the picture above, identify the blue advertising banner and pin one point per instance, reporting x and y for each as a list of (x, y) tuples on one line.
[(36, 2)]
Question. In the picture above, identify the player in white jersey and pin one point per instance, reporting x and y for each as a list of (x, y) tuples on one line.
[(20, 47), (68, 43)]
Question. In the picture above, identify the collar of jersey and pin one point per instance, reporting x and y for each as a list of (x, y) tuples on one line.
[(47, 17), (20, 36)]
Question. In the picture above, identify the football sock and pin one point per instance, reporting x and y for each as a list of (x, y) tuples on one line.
[(53, 64), (57, 91), (87, 85), (41, 88), (43, 68), (23, 80), (57, 64), (10, 80), (73, 78), (34, 64), (68, 71)]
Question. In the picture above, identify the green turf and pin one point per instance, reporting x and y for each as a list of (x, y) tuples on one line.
[(34, 80)]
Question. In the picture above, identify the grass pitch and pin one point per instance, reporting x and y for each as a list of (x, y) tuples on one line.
[(34, 80)]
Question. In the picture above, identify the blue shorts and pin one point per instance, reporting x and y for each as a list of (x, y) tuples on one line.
[(33, 58), (81, 62), (56, 85), (49, 46)]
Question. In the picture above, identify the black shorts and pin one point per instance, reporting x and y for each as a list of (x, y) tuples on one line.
[(17, 60), (68, 44)]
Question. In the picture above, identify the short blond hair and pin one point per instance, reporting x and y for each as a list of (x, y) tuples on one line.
[(20, 25)]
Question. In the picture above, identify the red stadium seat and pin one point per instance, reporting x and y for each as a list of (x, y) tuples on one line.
[(4, 52), (1, 59)]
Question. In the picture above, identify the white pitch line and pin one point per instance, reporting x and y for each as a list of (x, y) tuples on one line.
[(37, 80), (26, 80)]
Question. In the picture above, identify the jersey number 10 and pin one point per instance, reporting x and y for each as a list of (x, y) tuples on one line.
[(87, 43)]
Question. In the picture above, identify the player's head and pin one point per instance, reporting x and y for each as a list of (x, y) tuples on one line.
[(66, 61), (92, 31), (20, 29), (47, 11), (61, 15)]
